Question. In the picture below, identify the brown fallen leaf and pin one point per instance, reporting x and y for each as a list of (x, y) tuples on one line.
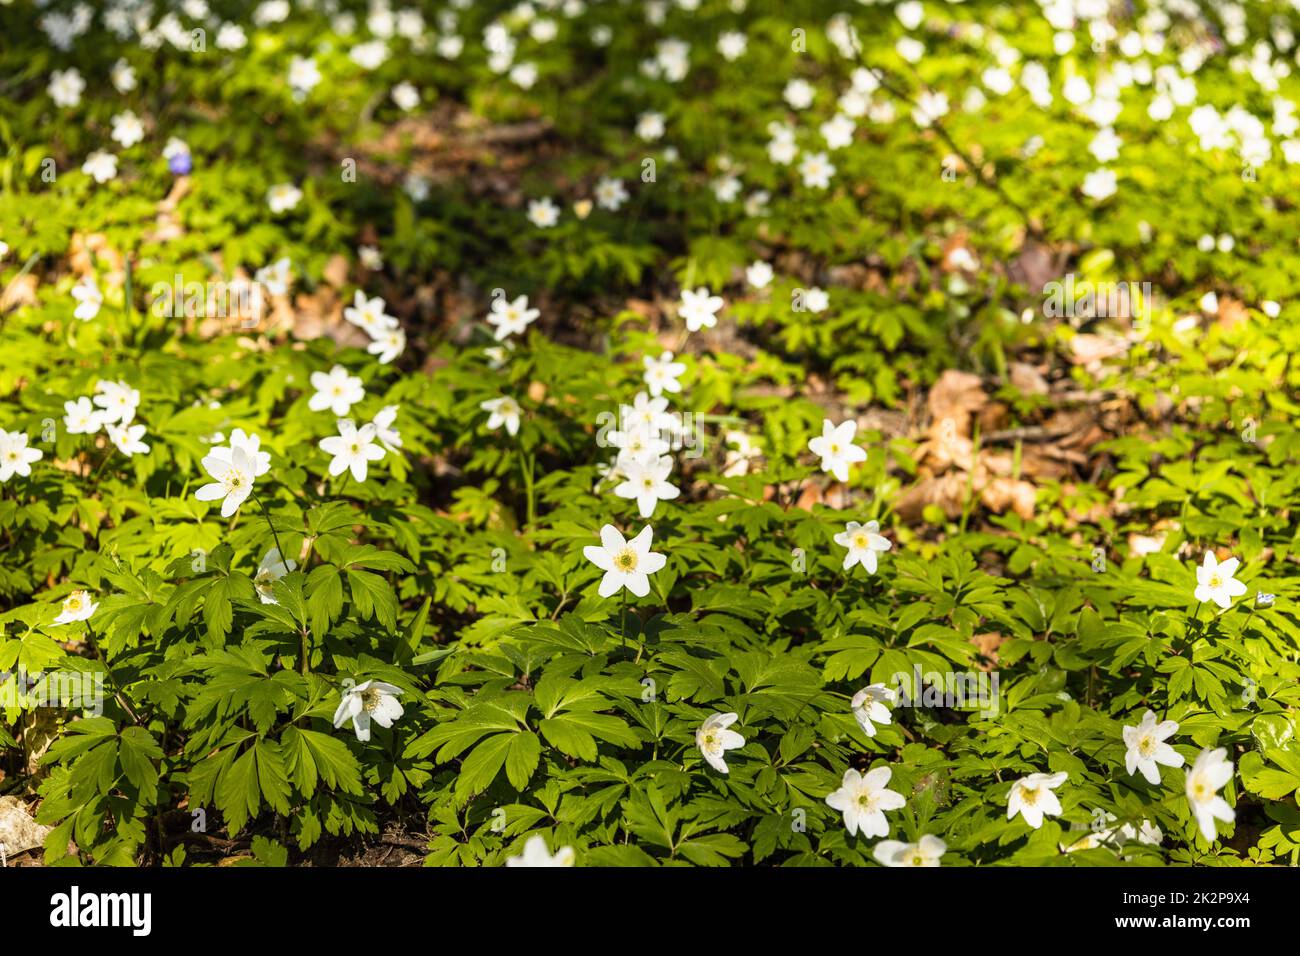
[(1091, 350), (956, 396), (1002, 494), (1027, 379)]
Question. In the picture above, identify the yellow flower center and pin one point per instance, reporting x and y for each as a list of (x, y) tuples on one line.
[(625, 560)]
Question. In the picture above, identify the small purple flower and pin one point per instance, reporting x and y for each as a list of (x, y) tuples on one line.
[(178, 157)]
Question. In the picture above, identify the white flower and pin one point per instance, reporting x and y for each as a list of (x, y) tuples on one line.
[(661, 374), (625, 563), (863, 542), (282, 197), (416, 186), (910, 49), (699, 309), (536, 854), (925, 852), (89, 299), (930, 106), (271, 11), (100, 166), (726, 188), (1211, 772), (406, 96), (1077, 90), (673, 57), (1215, 581), (502, 411), (369, 314), (910, 13), (1105, 146), (388, 345), (118, 400), (637, 441), (782, 149), (732, 45), (123, 76), (127, 129), (745, 451), (799, 93), (15, 457), (869, 707), (714, 740), (77, 606), (759, 274), (352, 449), (231, 37), (524, 75), (836, 449), (81, 418), (276, 276), (816, 300), (370, 257), (511, 318), (386, 434), (838, 131), (336, 390), (303, 74), (816, 170), (373, 700), (610, 193), (127, 438), (1033, 799), (863, 800), (650, 126), (370, 55), (251, 445), (1147, 747), (543, 31), (646, 482), (232, 475), (272, 569), (646, 412), (543, 213), (1100, 184), (66, 87)]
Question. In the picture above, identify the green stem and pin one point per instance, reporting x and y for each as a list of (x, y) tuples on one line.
[(112, 678), (527, 466), (622, 618), (267, 515)]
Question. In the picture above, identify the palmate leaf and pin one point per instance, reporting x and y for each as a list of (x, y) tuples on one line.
[(574, 732), (324, 598), (311, 756), (257, 775), (373, 597), (483, 763), (33, 652), (137, 750)]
